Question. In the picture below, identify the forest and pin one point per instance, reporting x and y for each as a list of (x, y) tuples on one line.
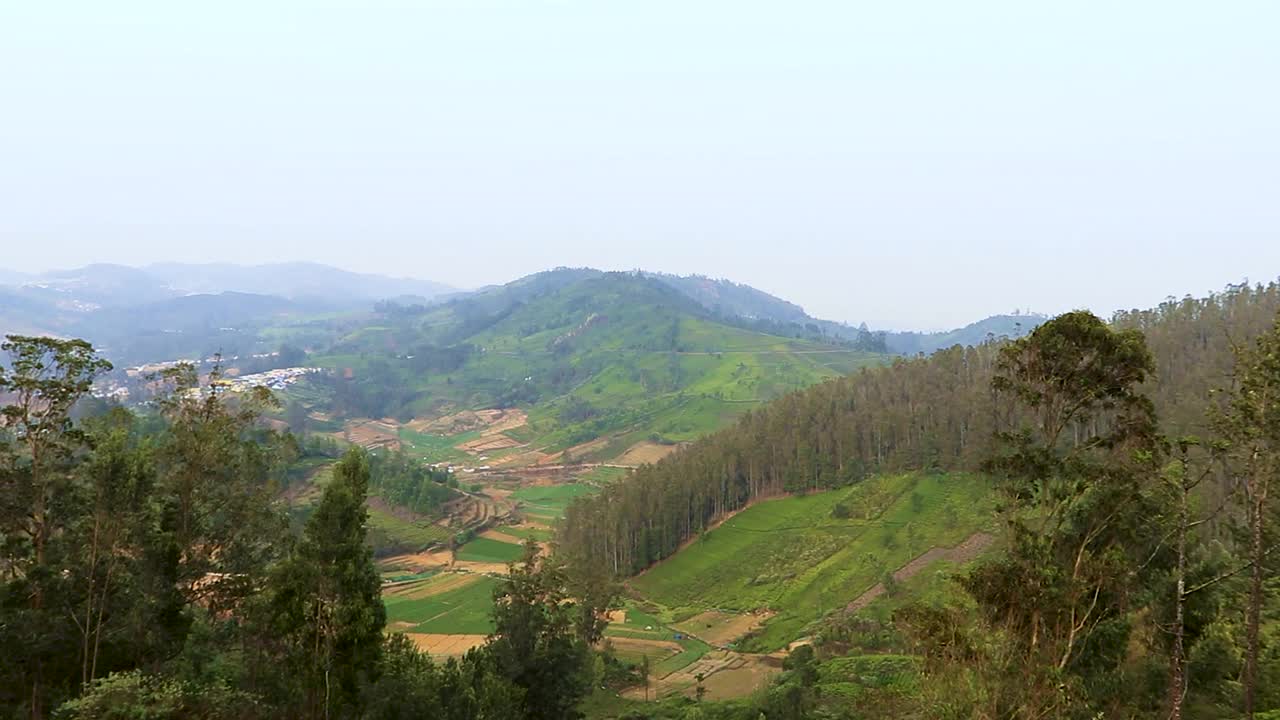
[(149, 571), (1133, 460)]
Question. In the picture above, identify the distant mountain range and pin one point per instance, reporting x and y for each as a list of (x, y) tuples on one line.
[(174, 309)]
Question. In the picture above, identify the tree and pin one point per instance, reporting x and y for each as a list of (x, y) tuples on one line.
[(1251, 427), (46, 378), (541, 642), (327, 596), (1073, 462)]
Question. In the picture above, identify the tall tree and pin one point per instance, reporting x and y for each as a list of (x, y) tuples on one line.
[(1074, 459), (1251, 426), (542, 636), (327, 596), (46, 378)]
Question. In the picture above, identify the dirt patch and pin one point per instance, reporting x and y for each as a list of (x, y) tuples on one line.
[(446, 645), (432, 586), (739, 678), (618, 616), (481, 567), (529, 457), (971, 548), (655, 649), (718, 628), (419, 562), (370, 434), (645, 451), (725, 675)]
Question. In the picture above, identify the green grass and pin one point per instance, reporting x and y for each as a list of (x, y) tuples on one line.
[(490, 551), (463, 611), (432, 447), (527, 533), (548, 502), (795, 557), (693, 648)]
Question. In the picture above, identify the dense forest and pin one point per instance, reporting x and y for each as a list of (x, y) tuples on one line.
[(148, 570), (1133, 460), (935, 412)]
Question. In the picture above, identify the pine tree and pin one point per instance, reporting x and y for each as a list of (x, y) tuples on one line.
[(327, 596)]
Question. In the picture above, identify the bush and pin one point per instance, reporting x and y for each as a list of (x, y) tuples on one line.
[(138, 696)]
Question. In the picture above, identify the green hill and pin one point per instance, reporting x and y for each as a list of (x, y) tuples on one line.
[(615, 356), (804, 557)]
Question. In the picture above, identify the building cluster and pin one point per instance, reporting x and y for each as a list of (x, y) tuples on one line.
[(272, 379)]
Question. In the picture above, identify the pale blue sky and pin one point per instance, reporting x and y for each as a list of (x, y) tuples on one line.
[(911, 164)]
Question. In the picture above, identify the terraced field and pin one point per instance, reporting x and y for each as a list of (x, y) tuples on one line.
[(801, 557)]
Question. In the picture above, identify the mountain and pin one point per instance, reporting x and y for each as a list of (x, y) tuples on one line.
[(293, 280), (725, 297), (996, 327), (598, 362), (932, 415)]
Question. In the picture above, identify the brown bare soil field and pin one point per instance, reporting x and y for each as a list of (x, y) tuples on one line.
[(490, 422), (645, 452), (718, 628), (445, 645), (433, 586), (639, 646), (371, 434), (419, 562), (480, 567), (488, 443), (528, 457), (739, 680)]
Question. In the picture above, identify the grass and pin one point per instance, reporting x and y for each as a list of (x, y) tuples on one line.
[(550, 501), (794, 556), (462, 611), (527, 533), (488, 550)]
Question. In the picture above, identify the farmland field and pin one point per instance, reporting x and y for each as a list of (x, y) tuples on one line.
[(487, 550), (803, 558), (461, 609)]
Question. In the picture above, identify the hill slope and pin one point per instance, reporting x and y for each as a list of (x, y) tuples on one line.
[(586, 356)]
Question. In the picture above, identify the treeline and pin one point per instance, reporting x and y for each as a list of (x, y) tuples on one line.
[(147, 570), (937, 412), (1135, 575)]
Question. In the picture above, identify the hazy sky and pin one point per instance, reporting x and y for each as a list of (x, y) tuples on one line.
[(911, 164)]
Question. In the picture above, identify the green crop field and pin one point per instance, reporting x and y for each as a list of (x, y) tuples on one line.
[(550, 501), (527, 533), (490, 551), (796, 557), (462, 611)]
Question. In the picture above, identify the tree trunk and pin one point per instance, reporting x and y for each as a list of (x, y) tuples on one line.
[(1252, 619), (1177, 662)]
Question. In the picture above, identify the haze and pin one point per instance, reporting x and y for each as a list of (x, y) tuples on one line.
[(910, 164)]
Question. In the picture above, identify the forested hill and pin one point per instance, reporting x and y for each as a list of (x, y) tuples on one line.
[(934, 412)]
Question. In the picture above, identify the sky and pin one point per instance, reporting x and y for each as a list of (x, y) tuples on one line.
[(914, 165)]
